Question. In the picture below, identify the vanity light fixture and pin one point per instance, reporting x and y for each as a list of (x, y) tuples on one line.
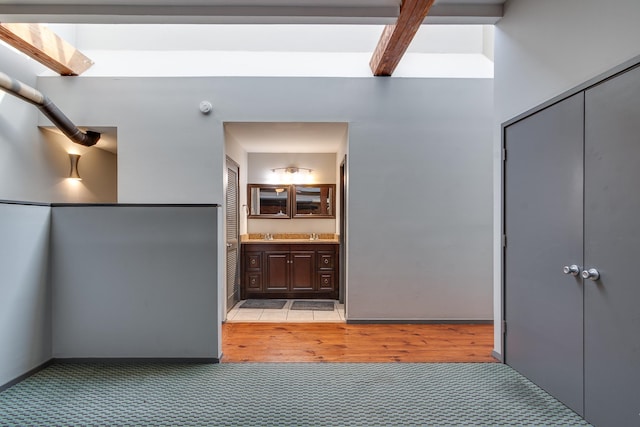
[(292, 170), (73, 172), (292, 175)]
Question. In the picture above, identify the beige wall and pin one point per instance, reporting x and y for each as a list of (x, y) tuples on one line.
[(97, 168), (259, 172)]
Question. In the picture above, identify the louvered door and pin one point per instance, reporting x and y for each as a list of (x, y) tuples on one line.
[(232, 233)]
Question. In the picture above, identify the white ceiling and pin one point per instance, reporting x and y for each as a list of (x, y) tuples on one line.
[(266, 38), (254, 137), (288, 137)]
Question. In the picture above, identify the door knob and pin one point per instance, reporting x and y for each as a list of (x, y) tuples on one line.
[(591, 273), (573, 269), (229, 245)]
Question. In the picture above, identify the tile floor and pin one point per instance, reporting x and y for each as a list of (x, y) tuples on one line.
[(285, 314)]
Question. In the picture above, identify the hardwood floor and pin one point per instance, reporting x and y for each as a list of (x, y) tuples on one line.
[(340, 342)]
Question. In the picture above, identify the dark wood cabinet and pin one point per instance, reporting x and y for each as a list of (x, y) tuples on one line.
[(281, 270)]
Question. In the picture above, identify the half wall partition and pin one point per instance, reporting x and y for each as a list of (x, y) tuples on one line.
[(107, 281)]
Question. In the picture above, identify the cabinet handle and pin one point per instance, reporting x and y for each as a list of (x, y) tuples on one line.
[(573, 269), (591, 274), (326, 261)]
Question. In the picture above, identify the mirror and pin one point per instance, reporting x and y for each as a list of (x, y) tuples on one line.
[(269, 201), (314, 201)]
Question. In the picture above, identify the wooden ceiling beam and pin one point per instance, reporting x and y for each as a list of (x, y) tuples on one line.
[(46, 47), (397, 37)]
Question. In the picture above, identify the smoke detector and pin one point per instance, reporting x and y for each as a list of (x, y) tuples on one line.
[(205, 107)]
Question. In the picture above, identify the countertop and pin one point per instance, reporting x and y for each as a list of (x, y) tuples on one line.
[(291, 241)]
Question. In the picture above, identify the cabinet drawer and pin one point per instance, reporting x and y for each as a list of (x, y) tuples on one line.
[(253, 281), (326, 281), (326, 261), (253, 261)]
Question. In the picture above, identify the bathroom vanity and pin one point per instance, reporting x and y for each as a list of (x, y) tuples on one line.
[(289, 268)]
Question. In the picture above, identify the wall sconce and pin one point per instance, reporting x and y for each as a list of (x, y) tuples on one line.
[(73, 172), (292, 175)]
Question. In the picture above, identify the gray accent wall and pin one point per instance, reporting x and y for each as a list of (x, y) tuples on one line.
[(419, 170), (25, 309), (134, 282)]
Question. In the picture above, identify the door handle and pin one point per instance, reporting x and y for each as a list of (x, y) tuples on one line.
[(229, 245), (591, 274), (572, 269)]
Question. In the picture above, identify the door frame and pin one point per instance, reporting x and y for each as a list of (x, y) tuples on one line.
[(342, 280)]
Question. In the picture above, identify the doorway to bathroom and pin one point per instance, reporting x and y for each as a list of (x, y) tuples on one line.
[(290, 200)]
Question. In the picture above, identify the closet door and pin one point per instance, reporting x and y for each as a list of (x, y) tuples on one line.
[(543, 224), (612, 246)]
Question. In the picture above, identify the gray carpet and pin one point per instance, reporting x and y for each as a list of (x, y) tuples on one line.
[(313, 305), (275, 304), (296, 394)]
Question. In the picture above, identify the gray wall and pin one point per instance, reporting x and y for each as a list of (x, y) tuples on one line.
[(134, 282), (543, 48), (25, 306), (419, 237), (420, 170), (23, 170)]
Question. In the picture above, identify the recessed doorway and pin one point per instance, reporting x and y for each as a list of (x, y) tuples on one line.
[(296, 252)]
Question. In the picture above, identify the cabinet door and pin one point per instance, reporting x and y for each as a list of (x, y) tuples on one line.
[(612, 245), (302, 270), (543, 225), (277, 271)]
